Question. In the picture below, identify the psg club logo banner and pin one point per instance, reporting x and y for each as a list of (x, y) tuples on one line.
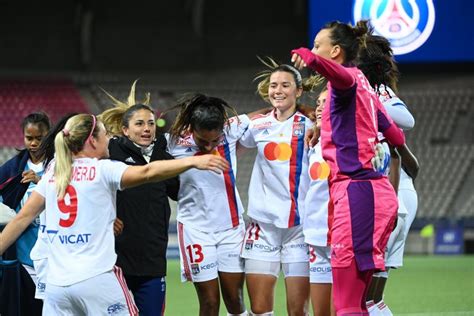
[(407, 24)]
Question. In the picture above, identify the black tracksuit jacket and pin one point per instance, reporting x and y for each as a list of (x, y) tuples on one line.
[(145, 212)]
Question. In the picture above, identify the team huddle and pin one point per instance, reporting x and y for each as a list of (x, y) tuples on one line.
[(331, 195)]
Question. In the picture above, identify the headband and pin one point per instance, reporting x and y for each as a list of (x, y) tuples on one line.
[(94, 122)]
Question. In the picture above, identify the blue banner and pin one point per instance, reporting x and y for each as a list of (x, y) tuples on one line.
[(419, 30), (449, 241)]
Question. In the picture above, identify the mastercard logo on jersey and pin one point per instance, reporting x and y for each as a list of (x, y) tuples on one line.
[(319, 171), (277, 151)]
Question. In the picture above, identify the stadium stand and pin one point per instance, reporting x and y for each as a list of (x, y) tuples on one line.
[(443, 144), (18, 98)]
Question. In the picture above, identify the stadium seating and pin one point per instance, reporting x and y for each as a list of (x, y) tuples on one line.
[(443, 145), (18, 98), (445, 158)]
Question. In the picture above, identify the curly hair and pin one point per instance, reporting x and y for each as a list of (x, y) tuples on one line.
[(377, 63)]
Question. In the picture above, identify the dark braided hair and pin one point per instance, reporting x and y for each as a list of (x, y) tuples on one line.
[(377, 63), (200, 112)]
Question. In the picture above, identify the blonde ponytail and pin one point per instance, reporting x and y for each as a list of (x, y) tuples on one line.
[(312, 83), (68, 142), (63, 165)]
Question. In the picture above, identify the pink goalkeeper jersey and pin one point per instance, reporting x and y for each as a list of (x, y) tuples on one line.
[(208, 201), (350, 122), (279, 177), (351, 119)]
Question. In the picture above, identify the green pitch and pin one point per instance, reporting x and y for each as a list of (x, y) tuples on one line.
[(424, 286)]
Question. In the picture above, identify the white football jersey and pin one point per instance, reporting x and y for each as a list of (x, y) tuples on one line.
[(396, 108), (41, 248), (208, 201), (318, 211), (279, 177), (80, 226), (406, 182), (399, 113)]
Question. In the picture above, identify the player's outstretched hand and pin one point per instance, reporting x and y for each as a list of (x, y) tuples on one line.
[(302, 57), (211, 162)]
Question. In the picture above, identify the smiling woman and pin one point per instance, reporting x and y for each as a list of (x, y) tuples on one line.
[(274, 239)]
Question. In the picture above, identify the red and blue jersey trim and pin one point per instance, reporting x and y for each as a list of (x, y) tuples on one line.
[(296, 162), (229, 180)]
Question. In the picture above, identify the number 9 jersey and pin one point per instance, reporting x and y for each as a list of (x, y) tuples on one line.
[(80, 226)]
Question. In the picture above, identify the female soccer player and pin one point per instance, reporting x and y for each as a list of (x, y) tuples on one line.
[(274, 239), (350, 121), (210, 224), (78, 195)]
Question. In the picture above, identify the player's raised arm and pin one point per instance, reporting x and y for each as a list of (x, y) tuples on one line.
[(335, 73), (164, 169)]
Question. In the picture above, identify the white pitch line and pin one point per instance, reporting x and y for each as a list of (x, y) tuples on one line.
[(458, 313)]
